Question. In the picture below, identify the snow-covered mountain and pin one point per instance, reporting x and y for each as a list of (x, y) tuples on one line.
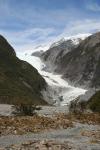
[(78, 38), (58, 90), (41, 47), (75, 39), (59, 49), (81, 65), (78, 60)]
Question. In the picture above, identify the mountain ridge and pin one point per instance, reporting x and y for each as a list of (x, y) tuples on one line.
[(19, 81), (77, 63)]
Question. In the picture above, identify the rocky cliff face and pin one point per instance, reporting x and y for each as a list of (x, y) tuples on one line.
[(56, 52), (82, 65), (79, 64), (19, 81)]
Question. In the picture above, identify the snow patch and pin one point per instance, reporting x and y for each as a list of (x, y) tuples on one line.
[(75, 39)]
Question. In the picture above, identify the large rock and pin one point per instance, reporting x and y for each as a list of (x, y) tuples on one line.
[(19, 81)]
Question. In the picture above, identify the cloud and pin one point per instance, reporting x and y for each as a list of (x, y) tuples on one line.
[(31, 16), (26, 26), (30, 38), (84, 26), (93, 6), (27, 39)]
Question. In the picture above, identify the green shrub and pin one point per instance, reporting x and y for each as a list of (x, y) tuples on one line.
[(94, 102), (25, 110)]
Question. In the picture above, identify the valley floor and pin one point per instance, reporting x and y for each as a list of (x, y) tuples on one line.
[(53, 128), (80, 137), (61, 131), (58, 90), (6, 110)]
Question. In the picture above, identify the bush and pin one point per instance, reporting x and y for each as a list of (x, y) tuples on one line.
[(25, 110)]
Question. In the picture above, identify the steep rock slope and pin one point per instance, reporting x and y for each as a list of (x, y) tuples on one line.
[(82, 65), (59, 49), (55, 53), (19, 81)]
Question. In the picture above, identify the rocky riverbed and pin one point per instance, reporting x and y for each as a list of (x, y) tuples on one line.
[(59, 132), (80, 137)]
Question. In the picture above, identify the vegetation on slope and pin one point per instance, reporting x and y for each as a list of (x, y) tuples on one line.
[(94, 102), (19, 81)]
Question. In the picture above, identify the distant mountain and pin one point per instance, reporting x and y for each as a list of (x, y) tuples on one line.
[(76, 39), (78, 63), (40, 48), (81, 66), (19, 81), (59, 49), (78, 60), (37, 53), (55, 53)]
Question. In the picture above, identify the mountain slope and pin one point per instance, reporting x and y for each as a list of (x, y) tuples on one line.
[(55, 53), (82, 65), (19, 81), (83, 104), (58, 50), (94, 102)]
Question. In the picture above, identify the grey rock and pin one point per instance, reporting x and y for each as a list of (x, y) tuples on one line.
[(37, 53), (79, 64), (55, 53)]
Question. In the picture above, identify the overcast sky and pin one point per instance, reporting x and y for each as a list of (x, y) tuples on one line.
[(27, 23)]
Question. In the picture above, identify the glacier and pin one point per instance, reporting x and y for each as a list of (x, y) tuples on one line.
[(58, 91)]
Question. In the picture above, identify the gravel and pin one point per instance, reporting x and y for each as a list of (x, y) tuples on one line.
[(6, 110), (71, 135)]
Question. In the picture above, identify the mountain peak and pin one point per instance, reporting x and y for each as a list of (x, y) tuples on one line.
[(57, 43), (75, 39)]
